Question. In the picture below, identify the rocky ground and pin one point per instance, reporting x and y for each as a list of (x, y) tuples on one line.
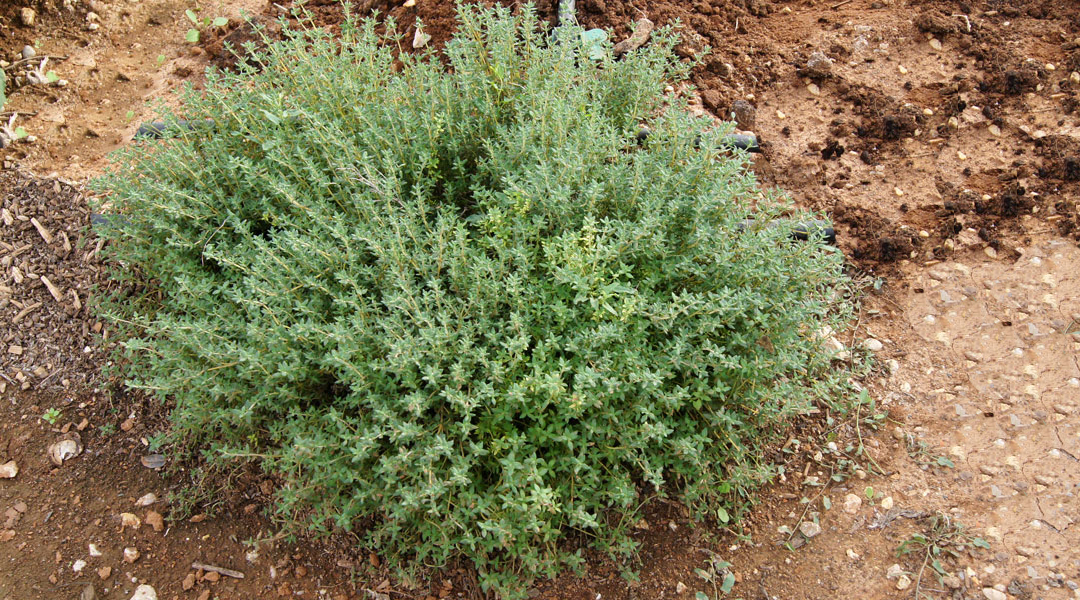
[(941, 138)]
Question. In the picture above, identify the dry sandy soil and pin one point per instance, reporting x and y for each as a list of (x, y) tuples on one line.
[(940, 136)]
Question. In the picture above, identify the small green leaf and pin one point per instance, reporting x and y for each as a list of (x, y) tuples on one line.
[(20, 133), (702, 573), (722, 515), (826, 503), (701, 596), (160, 59), (220, 22), (191, 16), (192, 36), (981, 543), (52, 77), (129, 115), (869, 491), (945, 462), (729, 582)]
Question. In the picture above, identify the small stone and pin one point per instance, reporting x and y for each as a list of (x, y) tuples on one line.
[(94, 552), (903, 583), (409, 3), (887, 502), (28, 52), (935, 43), (813, 89), (989, 251), (818, 65), (974, 356), (894, 571), (27, 16), (992, 594), (420, 39), (994, 130), (153, 461), (873, 345), (144, 592), (780, 114), (104, 572), (154, 520), (88, 593), (131, 555), (146, 500), (189, 582), (78, 566), (852, 503), (853, 555), (67, 447), (809, 529), (1025, 551), (680, 587), (903, 70), (898, 433), (129, 520), (214, 576), (9, 470), (745, 114), (952, 582)]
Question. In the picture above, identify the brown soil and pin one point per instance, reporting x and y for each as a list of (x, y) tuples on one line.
[(941, 138)]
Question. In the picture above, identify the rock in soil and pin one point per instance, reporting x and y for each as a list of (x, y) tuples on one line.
[(745, 114), (27, 17), (642, 29), (9, 470), (809, 529), (852, 503), (67, 447), (144, 592), (818, 65)]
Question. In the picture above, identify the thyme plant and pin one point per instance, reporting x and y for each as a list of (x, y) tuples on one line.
[(455, 303)]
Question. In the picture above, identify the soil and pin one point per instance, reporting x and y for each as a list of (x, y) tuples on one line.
[(941, 138)]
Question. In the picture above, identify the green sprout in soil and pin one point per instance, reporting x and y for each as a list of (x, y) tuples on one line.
[(920, 452), (51, 416), (941, 541)]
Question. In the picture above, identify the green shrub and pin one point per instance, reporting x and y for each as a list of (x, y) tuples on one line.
[(459, 306)]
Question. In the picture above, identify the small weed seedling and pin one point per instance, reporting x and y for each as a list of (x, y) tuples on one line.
[(51, 416), (919, 451), (201, 24), (941, 541), (716, 573)]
